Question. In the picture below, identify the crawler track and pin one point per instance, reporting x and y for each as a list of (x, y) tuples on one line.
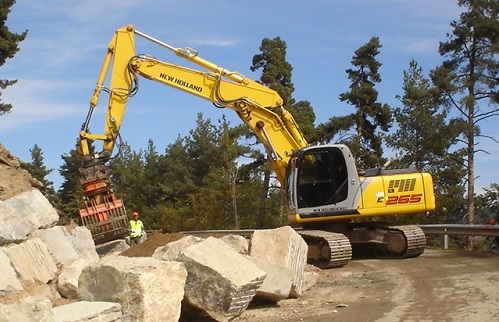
[(416, 240), (327, 249)]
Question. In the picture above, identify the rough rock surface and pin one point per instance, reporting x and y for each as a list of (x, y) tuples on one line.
[(239, 243), (62, 252), (9, 282), (31, 308), (113, 247), (288, 249), (88, 312), (67, 282), (171, 251), (147, 289), (14, 178), (220, 281), (277, 283), (32, 261), (23, 214)]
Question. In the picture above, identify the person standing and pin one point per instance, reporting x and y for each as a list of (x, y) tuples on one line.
[(136, 229)]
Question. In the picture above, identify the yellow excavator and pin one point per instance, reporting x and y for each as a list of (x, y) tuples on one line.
[(326, 194)]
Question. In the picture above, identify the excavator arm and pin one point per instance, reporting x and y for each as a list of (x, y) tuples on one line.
[(259, 107)]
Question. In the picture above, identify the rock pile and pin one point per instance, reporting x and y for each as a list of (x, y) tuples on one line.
[(54, 273)]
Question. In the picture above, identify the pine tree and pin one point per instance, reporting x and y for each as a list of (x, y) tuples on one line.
[(9, 43), (276, 74), (424, 138), (468, 77), (71, 191), (38, 170), (370, 115), (214, 150), (177, 184), (126, 173)]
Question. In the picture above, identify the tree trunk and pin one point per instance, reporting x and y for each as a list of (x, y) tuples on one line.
[(470, 200), (263, 200), (233, 180)]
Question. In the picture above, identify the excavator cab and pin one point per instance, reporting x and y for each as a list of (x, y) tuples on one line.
[(323, 184), (322, 181)]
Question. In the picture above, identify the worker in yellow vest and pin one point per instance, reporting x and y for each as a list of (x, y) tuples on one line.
[(136, 229)]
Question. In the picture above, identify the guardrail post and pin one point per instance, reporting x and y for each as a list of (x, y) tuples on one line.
[(446, 239)]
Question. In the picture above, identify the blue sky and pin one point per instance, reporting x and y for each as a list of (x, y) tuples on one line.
[(58, 63)]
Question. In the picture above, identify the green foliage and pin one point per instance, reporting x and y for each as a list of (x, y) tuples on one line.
[(9, 43), (369, 116), (71, 191), (488, 204), (303, 112), (128, 177), (335, 130), (468, 78), (193, 185), (276, 74), (39, 171), (276, 71), (425, 137), (37, 168)]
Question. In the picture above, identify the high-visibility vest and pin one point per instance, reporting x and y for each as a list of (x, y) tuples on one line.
[(136, 227)]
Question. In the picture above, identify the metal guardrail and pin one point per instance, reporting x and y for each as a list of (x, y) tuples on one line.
[(468, 230), (444, 229)]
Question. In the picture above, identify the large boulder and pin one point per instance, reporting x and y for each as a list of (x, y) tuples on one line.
[(147, 289), (82, 241), (32, 261), (277, 283), (23, 214), (9, 282), (220, 281), (67, 282), (282, 246), (59, 243), (171, 251)]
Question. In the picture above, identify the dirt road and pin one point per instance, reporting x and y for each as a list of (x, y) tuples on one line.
[(437, 286)]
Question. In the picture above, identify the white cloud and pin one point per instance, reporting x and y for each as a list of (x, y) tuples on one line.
[(39, 101), (214, 42)]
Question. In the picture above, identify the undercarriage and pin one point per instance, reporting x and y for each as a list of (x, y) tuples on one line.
[(337, 244)]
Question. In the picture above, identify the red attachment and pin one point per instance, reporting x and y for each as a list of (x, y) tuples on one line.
[(94, 186), (105, 216)]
